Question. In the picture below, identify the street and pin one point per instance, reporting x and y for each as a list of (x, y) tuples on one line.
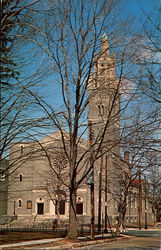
[(149, 240)]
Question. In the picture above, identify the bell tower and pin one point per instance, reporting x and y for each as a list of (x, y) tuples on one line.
[(103, 92), (104, 117)]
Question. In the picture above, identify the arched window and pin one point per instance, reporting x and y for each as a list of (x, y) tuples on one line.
[(62, 207), (19, 203), (20, 177), (40, 205), (79, 207)]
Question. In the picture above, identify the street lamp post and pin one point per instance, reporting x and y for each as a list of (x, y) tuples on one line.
[(105, 230), (90, 182), (100, 195)]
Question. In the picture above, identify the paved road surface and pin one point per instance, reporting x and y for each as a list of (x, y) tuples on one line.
[(143, 240)]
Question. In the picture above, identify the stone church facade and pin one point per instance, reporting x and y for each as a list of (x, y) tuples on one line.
[(34, 191), (31, 191)]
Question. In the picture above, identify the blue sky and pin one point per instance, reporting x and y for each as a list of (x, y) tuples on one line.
[(50, 89), (130, 8), (135, 6)]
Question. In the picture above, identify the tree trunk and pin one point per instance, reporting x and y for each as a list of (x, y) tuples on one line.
[(120, 211), (58, 215), (123, 217), (72, 230), (118, 224), (124, 205), (155, 221)]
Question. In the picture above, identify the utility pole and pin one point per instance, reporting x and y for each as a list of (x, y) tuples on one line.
[(92, 183), (105, 230), (140, 198), (100, 195)]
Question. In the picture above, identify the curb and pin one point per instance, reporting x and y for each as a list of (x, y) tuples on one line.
[(86, 243)]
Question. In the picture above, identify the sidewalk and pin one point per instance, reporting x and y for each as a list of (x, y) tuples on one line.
[(29, 243), (59, 243)]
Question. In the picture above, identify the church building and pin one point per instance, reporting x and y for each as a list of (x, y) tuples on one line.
[(36, 195)]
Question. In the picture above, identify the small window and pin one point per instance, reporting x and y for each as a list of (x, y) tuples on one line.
[(101, 110), (2, 177), (93, 135), (29, 204), (21, 150), (19, 203), (40, 199), (20, 177)]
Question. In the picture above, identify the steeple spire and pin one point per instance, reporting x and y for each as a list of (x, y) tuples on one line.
[(104, 44)]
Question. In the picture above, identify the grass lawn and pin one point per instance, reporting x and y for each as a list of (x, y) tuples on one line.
[(12, 237)]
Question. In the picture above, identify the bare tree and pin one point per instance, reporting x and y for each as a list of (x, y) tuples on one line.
[(18, 32), (151, 63), (138, 131), (145, 82), (73, 41)]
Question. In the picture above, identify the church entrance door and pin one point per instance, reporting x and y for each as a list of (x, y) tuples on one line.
[(40, 208)]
